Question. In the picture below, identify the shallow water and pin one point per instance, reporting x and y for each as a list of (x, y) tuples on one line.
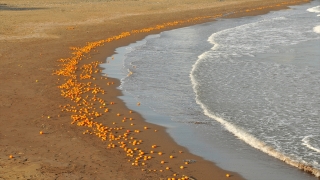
[(252, 78)]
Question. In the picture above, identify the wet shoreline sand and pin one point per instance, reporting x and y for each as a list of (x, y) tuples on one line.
[(30, 104)]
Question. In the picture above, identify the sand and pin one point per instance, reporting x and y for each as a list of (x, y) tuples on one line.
[(35, 34)]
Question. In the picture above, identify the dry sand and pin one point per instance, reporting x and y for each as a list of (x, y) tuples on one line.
[(34, 35)]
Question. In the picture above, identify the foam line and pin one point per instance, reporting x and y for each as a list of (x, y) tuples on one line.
[(315, 9), (317, 29), (237, 131), (306, 143)]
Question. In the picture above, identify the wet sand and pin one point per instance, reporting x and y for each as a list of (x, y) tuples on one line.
[(34, 35)]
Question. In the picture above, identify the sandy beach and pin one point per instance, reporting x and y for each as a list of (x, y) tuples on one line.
[(60, 119)]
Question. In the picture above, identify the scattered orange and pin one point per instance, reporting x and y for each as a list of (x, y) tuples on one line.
[(85, 95)]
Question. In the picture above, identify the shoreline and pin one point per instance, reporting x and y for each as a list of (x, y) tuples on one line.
[(174, 127), (51, 128), (121, 52)]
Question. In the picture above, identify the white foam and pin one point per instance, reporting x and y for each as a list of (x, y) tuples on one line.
[(248, 138), (211, 38), (239, 132), (281, 30), (306, 142), (315, 9), (317, 29)]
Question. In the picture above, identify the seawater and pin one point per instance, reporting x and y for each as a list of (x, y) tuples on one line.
[(235, 84)]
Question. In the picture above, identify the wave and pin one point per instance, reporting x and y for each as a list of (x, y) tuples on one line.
[(263, 35), (245, 136), (231, 43), (308, 144), (317, 29), (315, 9)]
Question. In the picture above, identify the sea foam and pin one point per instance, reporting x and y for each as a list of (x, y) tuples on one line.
[(234, 47), (315, 9), (308, 144), (317, 29), (241, 133)]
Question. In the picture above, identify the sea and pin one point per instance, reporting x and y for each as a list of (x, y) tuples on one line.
[(241, 92)]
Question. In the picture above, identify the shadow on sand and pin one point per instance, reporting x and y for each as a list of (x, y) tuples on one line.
[(6, 7)]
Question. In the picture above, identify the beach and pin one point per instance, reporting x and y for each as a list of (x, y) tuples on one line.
[(37, 138)]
